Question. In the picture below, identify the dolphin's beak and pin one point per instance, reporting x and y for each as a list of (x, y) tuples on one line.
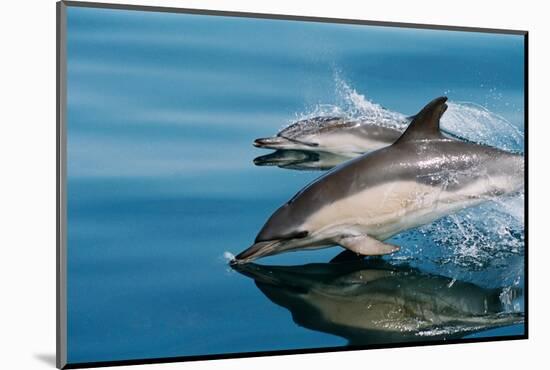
[(256, 251), (270, 142)]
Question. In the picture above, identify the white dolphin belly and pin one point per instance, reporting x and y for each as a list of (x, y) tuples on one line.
[(387, 209)]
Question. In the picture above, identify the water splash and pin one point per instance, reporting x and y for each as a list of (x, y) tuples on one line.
[(468, 120), (478, 237), (353, 105), (357, 106), (228, 256), (476, 123), (510, 297)]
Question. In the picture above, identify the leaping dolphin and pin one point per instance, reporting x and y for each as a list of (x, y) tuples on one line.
[(423, 176), (332, 134), (346, 136), (368, 302)]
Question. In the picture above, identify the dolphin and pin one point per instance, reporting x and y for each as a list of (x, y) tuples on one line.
[(420, 178), (373, 302), (302, 160), (332, 134), (341, 135)]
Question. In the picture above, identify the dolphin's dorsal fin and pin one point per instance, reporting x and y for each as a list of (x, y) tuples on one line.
[(425, 124)]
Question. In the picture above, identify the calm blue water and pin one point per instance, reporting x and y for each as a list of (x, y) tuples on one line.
[(162, 111)]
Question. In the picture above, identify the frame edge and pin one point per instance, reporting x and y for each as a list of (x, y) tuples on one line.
[(61, 211), (292, 17), (526, 176)]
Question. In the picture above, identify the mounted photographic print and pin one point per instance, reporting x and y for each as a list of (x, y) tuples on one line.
[(236, 184)]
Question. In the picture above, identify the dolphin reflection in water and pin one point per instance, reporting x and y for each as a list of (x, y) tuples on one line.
[(301, 160), (373, 302)]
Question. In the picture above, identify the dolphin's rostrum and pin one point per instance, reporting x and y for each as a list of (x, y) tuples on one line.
[(423, 176)]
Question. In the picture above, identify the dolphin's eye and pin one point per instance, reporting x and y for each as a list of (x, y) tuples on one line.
[(301, 234)]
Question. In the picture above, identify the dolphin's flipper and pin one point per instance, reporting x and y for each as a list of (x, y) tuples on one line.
[(366, 246)]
